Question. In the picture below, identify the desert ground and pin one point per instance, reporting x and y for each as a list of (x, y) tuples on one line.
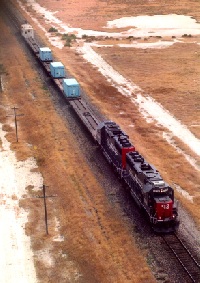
[(89, 238)]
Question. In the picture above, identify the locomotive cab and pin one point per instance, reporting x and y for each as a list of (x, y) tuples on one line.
[(164, 210)]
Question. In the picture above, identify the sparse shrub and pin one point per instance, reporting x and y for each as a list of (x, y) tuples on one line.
[(52, 29), (72, 36), (186, 35), (68, 43), (88, 38), (69, 38)]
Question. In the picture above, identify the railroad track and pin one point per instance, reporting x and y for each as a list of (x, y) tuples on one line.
[(183, 255), (12, 14)]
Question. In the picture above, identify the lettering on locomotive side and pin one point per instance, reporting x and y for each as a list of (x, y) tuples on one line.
[(160, 190)]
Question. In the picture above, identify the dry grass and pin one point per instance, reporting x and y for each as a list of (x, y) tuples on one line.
[(169, 75)]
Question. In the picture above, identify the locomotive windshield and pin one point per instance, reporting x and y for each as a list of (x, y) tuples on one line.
[(160, 188), (161, 192)]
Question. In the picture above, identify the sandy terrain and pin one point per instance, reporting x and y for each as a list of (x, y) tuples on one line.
[(156, 73), (16, 259)]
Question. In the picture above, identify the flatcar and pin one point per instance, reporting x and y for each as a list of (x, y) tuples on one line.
[(153, 195), (69, 87)]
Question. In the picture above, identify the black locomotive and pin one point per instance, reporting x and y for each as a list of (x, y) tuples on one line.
[(146, 185)]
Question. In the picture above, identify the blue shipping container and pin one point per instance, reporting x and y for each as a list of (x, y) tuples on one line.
[(45, 54), (57, 70), (71, 88)]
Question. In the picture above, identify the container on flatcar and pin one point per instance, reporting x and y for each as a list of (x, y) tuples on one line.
[(45, 54), (71, 88), (57, 70)]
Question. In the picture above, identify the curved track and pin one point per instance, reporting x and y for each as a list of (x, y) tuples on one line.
[(183, 255)]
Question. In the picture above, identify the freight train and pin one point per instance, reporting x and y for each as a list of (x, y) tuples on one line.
[(152, 194)]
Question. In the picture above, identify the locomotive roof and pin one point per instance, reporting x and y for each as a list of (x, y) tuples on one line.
[(141, 166), (135, 160), (113, 129), (122, 141)]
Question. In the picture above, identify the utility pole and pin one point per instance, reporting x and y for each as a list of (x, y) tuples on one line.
[(45, 206), (15, 116), (45, 209)]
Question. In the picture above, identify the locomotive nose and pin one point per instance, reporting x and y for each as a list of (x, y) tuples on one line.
[(163, 208)]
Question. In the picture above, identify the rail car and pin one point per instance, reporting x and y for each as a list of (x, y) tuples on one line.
[(152, 194), (69, 87)]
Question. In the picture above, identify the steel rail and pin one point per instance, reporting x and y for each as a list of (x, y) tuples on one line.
[(184, 256)]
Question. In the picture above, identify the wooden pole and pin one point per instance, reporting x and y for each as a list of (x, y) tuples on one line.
[(15, 114), (45, 210), (45, 206), (15, 123)]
